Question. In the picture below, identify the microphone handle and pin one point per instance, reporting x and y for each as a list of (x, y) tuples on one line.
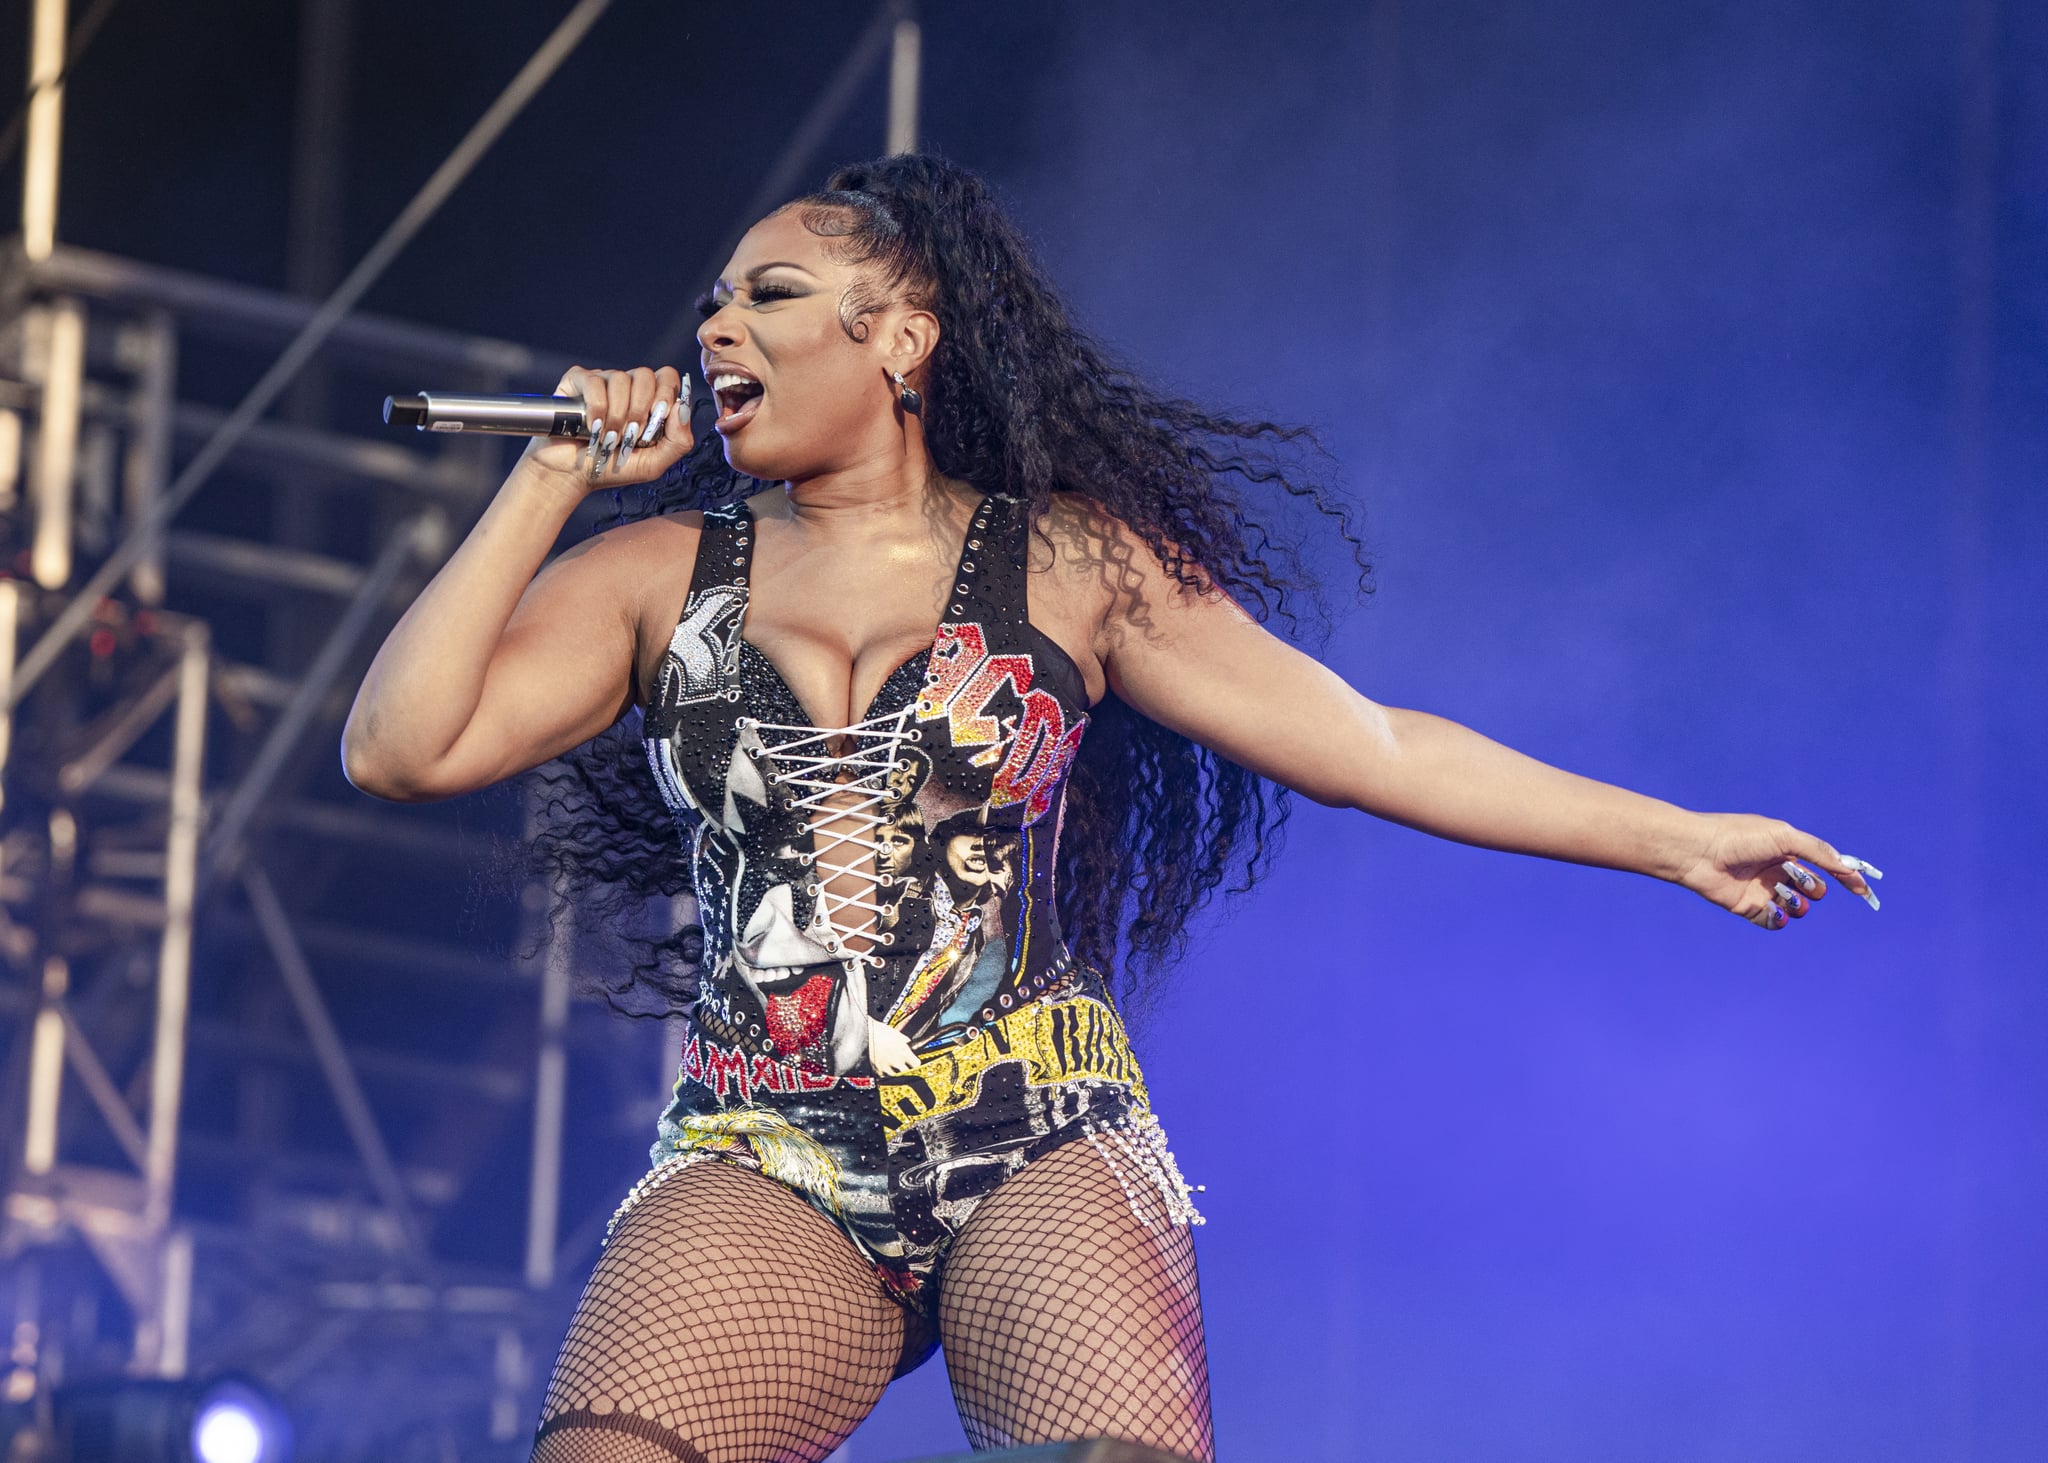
[(509, 416)]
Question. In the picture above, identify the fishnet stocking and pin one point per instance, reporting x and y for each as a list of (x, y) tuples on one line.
[(727, 1322), (1065, 1317)]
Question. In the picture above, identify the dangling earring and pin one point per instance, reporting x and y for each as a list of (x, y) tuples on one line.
[(906, 395)]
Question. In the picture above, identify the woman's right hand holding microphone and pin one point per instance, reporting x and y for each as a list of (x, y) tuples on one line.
[(639, 428)]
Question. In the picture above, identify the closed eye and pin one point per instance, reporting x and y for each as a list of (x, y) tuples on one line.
[(708, 303)]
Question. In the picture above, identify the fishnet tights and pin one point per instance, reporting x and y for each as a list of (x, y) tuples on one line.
[(729, 1322), (1065, 1317)]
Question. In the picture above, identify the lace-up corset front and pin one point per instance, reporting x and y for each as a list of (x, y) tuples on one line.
[(875, 892)]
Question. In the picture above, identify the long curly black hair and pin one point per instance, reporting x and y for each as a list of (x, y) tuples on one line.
[(1020, 403)]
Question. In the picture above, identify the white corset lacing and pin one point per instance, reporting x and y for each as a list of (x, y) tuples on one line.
[(844, 816)]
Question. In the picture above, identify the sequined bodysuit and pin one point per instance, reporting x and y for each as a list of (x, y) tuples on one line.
[(890, 1022)]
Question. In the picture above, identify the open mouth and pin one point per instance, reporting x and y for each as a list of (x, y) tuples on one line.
[(738, 397)]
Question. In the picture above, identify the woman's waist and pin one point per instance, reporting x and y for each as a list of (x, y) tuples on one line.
[(1071, 1035)]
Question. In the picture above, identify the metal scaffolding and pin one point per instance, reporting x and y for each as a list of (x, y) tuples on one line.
[(170, 688)]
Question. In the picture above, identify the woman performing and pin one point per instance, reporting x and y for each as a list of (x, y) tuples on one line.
[(947, 689)]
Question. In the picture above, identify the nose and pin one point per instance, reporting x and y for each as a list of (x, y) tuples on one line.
[(721, 330)]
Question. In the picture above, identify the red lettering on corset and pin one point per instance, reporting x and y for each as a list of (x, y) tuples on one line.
[(955, 654), (722, 1067), (968, 679), (1044, 747), (970, 727)]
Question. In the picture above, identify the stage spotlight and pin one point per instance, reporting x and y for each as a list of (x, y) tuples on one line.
[(124, 1420), (237, 1424)]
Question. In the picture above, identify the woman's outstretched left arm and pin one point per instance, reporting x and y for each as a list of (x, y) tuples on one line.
[(1194, 661)]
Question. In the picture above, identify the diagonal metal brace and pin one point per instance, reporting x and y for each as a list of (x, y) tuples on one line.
[(420, 537), (333, 1058), (103, 1090)]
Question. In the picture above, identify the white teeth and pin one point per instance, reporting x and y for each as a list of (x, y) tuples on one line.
[(728, 381)]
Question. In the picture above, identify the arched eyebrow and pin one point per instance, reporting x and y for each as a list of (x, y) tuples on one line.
[(753, 276)]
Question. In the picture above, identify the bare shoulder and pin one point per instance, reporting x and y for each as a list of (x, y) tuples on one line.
[(1088, 554), (651, 543), (1083, 548)]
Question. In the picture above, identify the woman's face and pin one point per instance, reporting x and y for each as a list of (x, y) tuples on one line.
[(801, 396)]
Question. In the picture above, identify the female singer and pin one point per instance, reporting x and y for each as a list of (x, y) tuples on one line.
[(1005, 714)]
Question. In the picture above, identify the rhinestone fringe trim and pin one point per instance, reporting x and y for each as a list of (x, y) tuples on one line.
[(1136, 1152)]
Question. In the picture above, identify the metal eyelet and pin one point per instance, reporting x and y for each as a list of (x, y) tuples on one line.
[(974, 543), (959, 589), (956, 608), (969, 566)]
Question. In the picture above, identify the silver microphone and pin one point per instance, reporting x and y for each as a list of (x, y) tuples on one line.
[(509, 416)]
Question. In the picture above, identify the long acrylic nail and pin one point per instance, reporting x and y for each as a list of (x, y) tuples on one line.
[(604, 458), (626, 444), (1806, 882), (1868, 871), (1789, 897), (654, 420), (683, 399), (591, 469), (1779, 919)]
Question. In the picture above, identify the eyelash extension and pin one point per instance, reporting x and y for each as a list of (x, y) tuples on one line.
[(708, 305)]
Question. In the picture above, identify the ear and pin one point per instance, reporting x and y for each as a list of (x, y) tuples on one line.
[(913, 336)]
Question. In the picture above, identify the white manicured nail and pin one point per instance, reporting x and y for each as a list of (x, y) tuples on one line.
[(1868, 871)]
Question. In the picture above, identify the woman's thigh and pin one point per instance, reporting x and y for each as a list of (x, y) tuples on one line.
[(727, 1321), (1064, 1315)]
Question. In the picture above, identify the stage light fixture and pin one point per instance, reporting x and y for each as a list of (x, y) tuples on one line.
[(235, 1423), (127, 1420)]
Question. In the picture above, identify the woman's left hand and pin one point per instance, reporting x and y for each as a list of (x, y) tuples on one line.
[(1763, 869)]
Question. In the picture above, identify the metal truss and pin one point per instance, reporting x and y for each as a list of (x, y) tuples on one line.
[(217, 1151), (153, 796)]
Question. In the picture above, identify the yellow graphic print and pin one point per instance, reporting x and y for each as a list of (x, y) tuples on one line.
[(785, 1152), (1062, 1041)]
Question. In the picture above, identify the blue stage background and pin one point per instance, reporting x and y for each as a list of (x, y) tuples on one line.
[(1635, 331)]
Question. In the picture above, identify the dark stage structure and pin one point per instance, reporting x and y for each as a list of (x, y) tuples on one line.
[(230, 1137)]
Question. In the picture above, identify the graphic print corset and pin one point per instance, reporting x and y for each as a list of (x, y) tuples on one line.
[(873, 894)]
